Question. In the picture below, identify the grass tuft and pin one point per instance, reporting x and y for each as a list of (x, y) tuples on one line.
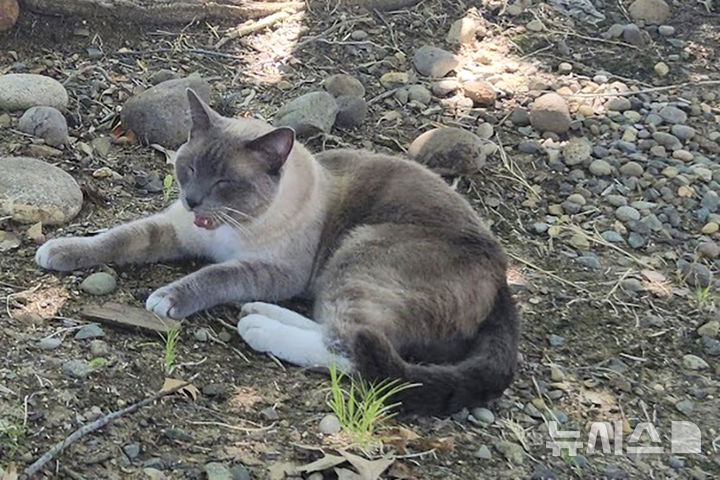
[(362, 406), (167, 186), (171, 341)]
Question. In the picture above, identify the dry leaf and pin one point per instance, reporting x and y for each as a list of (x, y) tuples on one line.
[(653, 276), (35, 233), (244, 398), (444, 445), (398, 437), (242, 455), (368, 469), (321, 464), (10, 473), (189, 390)]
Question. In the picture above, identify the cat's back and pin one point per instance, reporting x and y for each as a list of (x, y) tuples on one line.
[(372, 188)]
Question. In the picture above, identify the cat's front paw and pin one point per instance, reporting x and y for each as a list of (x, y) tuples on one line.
[(171, 301), (64, 254)]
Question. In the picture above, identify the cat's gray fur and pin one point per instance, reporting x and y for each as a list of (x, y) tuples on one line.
[(407, 282)]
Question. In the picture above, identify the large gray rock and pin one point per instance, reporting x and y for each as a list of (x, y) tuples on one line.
[(650, 11), (45, 122), (20, 91), (434, 62), (449, 151), (308, 114), (34, 191), (161, 113), (549, 113)]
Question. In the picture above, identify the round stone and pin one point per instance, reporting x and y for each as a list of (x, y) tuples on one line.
[(309, 114), (661, 69), (577, 150), (45, 122), (434, 62), (330, 425), (550, 113), (632, 169), (619, 104), (100, 283), (9, 11), (672, 114), (626, 214), (20, 91), (449, 151), (341, 85), (419, 94), (33, 191), (351, 111), (600, 168), (480, 92), (650, 11), (666, 30)]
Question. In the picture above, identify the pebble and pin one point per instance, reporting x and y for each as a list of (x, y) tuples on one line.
[(633, 35), (162, 75), (76, 369), (330, 425), (160, 114), (513, 452), (483, 415), (33, 191), (464, 31), (343, 85), (419, 94), (91, 330), (550, 113), (693, 362), (626, 213), (99, 348), (711, 346), (695, 274), (666, 30), (359, 35), (650, 11), (535, 25), (215, 389), (483, 453), (239, 472), (543, 472), (577, 150), (556, 374), (710, 228), (20, 91), (484, 130), (612, 236), (308, 114), (685, 406), (351, 111), (100, 283), (443, 88), (619, 104), (217, 471), (632, 169), (434, 62), (590, 261), (661, 69), (394, 79), (683, 132), (555, 340), (676, 462), (132, 450), (600, 168), (520, 117), (50, 343), (564, 68), (709, 250), (47, 123), (449, 151), (481, 93), (672, 114), (202, 334)]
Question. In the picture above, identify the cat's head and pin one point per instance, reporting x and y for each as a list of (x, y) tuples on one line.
[(229, 170)]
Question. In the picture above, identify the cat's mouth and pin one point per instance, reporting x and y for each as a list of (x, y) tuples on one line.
[(208, 222)]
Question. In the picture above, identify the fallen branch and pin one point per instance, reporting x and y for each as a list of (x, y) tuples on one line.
[(91, 427), (630, 93), (252, 26)]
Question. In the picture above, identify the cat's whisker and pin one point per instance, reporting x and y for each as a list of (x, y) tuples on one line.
[(231, 222), (243, 214)]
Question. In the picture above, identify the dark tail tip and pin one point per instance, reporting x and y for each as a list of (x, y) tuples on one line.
[(375, 358)]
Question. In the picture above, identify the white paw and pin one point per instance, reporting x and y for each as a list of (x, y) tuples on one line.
[(260, 332), (282, 315), (167, 302), (63, 254)]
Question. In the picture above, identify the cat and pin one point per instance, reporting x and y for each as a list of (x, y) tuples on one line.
[(407, 281)]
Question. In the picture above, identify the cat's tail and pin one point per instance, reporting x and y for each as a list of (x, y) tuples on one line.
[(444, 389)]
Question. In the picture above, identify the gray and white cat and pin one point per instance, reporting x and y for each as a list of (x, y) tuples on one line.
[(407, 282)]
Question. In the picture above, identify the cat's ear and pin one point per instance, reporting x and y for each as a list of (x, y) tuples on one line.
[(202, 116), (275, 147)]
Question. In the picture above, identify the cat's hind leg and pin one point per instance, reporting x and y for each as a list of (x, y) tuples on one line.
[(299, 346), (282, 315)]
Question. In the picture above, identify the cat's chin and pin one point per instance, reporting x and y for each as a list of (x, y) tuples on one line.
[(208, 223)]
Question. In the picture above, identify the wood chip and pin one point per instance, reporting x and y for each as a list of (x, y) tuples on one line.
[(117, 314)]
